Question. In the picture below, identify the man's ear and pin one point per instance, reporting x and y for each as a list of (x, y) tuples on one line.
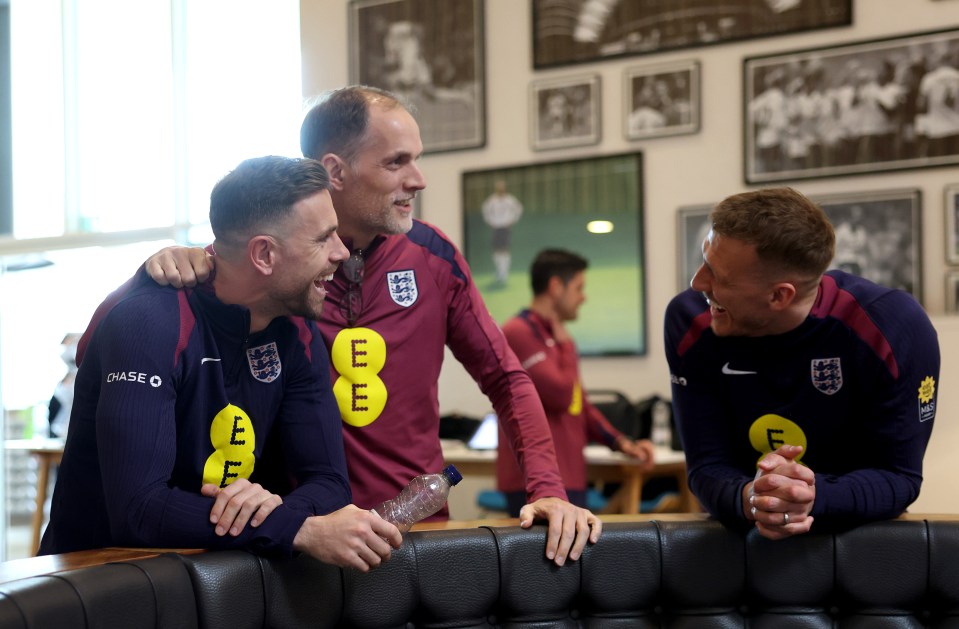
[(262, 253), (555, 286), (782, 296), (336, 168)]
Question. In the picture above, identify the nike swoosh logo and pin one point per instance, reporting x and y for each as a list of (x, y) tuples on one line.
[(735, 372), (209, 360)]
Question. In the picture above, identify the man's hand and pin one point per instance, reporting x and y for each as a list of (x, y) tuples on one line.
[(238, 503), (570, 527), (782, 495), (179, 266), (641, 450), (350, 538)]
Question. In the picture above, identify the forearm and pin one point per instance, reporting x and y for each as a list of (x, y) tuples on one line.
[(863, 496), (721, 493), (174, 518), (526, 428)]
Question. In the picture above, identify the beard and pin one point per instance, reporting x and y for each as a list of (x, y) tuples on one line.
[(385, 218), (305, 303)]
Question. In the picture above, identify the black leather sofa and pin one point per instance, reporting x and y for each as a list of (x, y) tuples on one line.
[(689, 573)]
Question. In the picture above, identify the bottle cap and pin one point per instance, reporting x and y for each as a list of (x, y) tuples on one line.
[(453, 474)]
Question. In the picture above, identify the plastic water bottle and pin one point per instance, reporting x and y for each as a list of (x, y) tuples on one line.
[(661, 428), (425, 495)]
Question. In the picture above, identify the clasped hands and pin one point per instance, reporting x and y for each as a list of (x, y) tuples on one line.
[(780, 498)]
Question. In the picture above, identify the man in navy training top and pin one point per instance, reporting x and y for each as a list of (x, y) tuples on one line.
[(801, 395), (403, 297), (179, 391)]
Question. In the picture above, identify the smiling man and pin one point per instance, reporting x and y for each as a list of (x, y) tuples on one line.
[(179, 391), (801, 395)]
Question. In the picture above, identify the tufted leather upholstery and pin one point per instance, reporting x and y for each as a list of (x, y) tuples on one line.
[(680, 574)]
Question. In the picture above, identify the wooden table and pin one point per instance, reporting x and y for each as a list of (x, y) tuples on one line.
[(47, 452), (602, 465)]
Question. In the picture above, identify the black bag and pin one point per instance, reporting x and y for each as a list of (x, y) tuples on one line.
[(620, 412)]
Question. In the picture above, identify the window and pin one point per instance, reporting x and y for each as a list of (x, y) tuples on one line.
[(124, 114), (122, 117)]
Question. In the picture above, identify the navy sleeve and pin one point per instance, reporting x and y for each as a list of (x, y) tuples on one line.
[(900, 419)]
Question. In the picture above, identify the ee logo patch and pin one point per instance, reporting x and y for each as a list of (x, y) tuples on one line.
[(771, 431)]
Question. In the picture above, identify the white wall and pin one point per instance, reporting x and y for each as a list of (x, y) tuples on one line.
[(680, 171)]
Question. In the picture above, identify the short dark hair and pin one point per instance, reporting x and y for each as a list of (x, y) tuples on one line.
[(789, 231), (262, 191), (550, 263), (338, 122)]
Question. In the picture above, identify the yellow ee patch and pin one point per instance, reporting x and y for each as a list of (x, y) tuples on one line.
[(576, 404), (771, 431), (231, 434), (358, 355)]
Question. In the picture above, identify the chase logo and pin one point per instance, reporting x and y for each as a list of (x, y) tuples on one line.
[(827, 375), (927, 399), (402, 287), (134, 376), (264, 362)]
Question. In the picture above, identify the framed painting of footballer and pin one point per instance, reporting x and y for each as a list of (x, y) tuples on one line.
[(429, 53), (857, 108), (564, 112), (661, 100), (579, 31), (693, 227), (878, 236), (592, 207)]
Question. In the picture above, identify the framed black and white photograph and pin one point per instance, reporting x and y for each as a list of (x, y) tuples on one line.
[(579, 31), (857, 108), (878, 236), (693, 227), (564, 112), (951, 207), (593, 207), (952, 292), (429, 53), (661, 100)]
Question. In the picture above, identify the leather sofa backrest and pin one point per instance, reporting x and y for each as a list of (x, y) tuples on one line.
[(686, 573)]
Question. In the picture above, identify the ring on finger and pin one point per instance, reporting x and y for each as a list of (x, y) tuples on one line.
[(785, 518)]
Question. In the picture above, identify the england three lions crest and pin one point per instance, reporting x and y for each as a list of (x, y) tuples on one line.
[(264, 362), (827, 375), (402, 287)]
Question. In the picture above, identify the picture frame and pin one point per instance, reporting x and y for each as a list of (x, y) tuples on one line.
[(878, 236), (851, 109), (565, 111), (952, 292), (692, 227), (661, 100), (568, 32), (430, 53), (563, 204), (951, 211)]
